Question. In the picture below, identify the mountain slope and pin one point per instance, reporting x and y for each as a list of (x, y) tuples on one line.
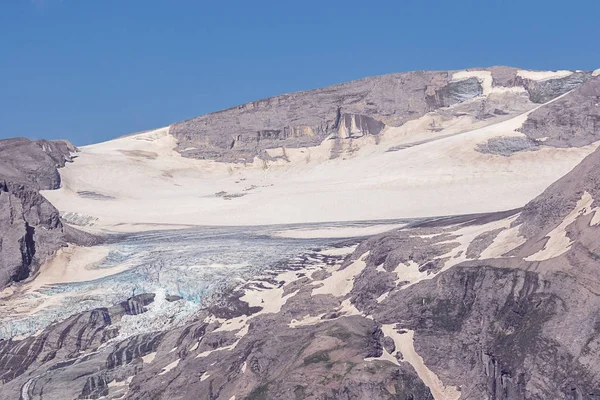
[(451, 307), (430, 157), (486, 286)]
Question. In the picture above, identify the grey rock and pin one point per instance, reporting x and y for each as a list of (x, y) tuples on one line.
[(307, 118), (546, 90), (30, 231), (508, 145), (30, 227), (301, 119), (571, 121), (34, 163), (545, 212)]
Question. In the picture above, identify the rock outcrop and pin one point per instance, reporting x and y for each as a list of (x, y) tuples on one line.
[(30, 227), (353, 109), (573, 120)]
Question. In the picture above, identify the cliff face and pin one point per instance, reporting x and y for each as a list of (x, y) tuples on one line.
[(354, 109), (30, 227), (573, 120)]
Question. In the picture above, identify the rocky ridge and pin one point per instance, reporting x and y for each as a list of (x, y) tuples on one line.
[(362, 108)]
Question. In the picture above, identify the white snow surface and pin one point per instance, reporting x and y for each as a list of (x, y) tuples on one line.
[(139, 182), (543, 75)]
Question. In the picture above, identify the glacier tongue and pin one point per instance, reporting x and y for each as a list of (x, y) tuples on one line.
[(195, 266)]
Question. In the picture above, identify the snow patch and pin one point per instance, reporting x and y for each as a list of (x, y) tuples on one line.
[(148, 358), (341, 251), (596, 72), (170, 366), (409, 272), (404, 343), (543, 75), (506, 241), (382, 297), (463, 237), (341, 282), (558, 243), (487, 82), (306, 321)]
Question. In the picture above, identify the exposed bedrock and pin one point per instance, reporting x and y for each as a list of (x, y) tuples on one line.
[(545, 90), (508, 327), (30, 227), (573, 120), (307, 118), (68, 339), (503, 333), (34, 163), (546, 211), (353, 109)]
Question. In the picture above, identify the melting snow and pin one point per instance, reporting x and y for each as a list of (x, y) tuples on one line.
[(341, 282), (404, 344), (543, 75), (170, 366), (558, 243), (148, 358), (486, 80)]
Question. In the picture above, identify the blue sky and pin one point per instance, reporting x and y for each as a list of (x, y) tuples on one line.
[(89, 71)]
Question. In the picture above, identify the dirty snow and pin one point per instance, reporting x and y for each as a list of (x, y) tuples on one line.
[(558, 243), (543, 75)]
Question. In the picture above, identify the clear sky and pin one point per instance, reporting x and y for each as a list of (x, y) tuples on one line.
[(89, 70)]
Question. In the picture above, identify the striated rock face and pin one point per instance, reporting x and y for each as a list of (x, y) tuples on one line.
[(573, 120), (307, 118), (545, 212), (357, 125), (519, 326), (34, 163), (545, 90), (67, 339), (354, 109), (30, 227)]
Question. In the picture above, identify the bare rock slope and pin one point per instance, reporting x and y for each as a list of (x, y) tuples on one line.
[(354, 109), (30, 227)]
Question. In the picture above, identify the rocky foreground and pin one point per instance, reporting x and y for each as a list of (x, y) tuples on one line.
[(498, 305)]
